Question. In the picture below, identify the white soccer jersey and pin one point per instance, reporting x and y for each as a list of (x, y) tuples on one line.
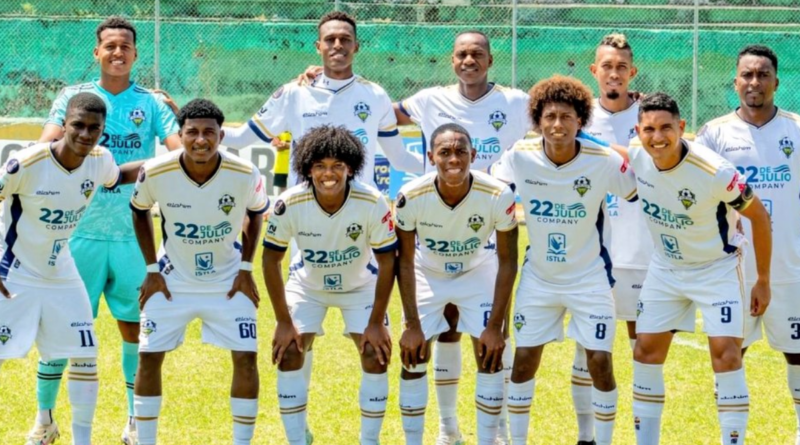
[(631, 246), (200, 223), (455, 240), (563, 211), (334, 251), (686, 207), (766, 157), (495, 121), (361, 106), (42, 204)]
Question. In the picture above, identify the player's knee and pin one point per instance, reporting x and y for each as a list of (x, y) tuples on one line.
[(129, 331), (524, 367), (245, 362), (647, 352), (726, 357), (150, 362), (600, 361), (292, 359), (369, 361)]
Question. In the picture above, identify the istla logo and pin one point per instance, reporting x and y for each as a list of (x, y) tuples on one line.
[(332, 282), (612, 204), (497, 119), (87, 187), (786, 147), (137, 116), (203, 263), (671, 247), (58, 246), (227, 203), (5, 334), (556, 248), (362, 111), (453, 267)]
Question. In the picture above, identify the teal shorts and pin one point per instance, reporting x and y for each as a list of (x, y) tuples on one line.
[(115, 269)]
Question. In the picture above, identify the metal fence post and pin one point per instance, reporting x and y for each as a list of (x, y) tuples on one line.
[(157, 45), (695, 62), (514, 10), (336, 5)]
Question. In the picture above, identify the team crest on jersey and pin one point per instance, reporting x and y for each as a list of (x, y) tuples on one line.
[(354, 231), (280, 208), (582, 185), (497, 119), (475, 222), (734, 437), (137, 116), (362, 111), (227, 203), (147, 327), (5, 334), (519, 321), (687, 198), (401, 200), (87, 187), (142, 174), (786, 146)]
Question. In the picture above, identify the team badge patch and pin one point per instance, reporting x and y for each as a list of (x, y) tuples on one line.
[(582, 185), (475, 222), (362, 111), (12, 166), (280, 207), (227, 203), (147, 327), (142, 174), (497, 119), (137, 116), (786, 146), (354, 231), (687, 198), (87, 187), (519, 321), (401, 200), (278, 93), (5, 334)]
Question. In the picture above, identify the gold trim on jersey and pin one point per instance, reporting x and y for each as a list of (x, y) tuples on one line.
[(364, 196), (27, 162), (789, 115), (594, 151), (490, 191), (170, 165), (139, 206), (263, 128), (299, 199), (230, 164), (384, 243), (722, 119), (532, 145), (416, 193), (700, 163), (276, 241)]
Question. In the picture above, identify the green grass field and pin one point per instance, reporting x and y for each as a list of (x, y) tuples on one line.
[(197, 380)]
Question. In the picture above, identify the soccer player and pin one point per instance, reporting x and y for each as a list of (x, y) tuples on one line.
[(759, 139), (104, 245), (45, 190), (691, 197), (452, 213), (614, 118), (337, 96), (206, 198), (563, 180), (340, 225)]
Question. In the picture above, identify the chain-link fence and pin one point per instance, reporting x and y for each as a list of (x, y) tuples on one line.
[(237, 52)]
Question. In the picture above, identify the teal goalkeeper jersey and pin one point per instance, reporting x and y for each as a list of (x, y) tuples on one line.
[(136, 117)]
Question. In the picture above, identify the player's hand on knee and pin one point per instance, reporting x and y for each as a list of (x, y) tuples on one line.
[(285, 335), (379, 338), (245, 284), (168, 100), (760, 297), (412, 345), (309, 74), (153, 283), (490, 348)]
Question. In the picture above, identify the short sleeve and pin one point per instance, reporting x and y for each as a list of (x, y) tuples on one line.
[(59, 109), (273, 117), (142, 198), (414, 106), (10, 178), (505, 215), (279, 227), (622, 180), (521, 102), (405, 216), (381, 228), (257, 200), (504, 168), (706, 138), (167, 124), (729, 185), (110, 174), (388, 123)]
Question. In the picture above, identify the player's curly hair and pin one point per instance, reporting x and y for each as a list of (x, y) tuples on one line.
[(560, 89), (200, 109), (115, 22), (340, 16), (328, 141), (86, 102)]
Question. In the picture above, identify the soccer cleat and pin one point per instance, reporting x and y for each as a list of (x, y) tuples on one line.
[(309, 437), (444, 439), (129, 434), (43, 434), (587, 442)]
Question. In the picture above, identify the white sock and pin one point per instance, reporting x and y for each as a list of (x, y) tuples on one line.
[(446, 373), (245, 412), (520, 399), (372, 398), (733, 406), (508, 365), (632, 342), (605, 412), (292, 400), (307, 363), (489, 404), (793, 378), (44, 417), (648, 402), (82, 386), (582, 394), (413, 401), (147, 410)]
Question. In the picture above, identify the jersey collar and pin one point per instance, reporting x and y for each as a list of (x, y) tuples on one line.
[(333, 85), (347, 192), (96, 83), (771, 120), (463, 200), (210, 179), (684, 155), (488, 93)]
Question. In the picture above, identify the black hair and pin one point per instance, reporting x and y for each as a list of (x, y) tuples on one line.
[(115, 22), (480, 33), (200, 109), (455, 128), (659, 102), (761, 51), (618, 41), (328, 141), (87, 102), (339, 16)]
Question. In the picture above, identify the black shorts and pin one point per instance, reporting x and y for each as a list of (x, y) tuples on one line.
[(280, 179)]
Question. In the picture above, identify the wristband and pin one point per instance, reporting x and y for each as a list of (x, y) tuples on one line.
[(246, 266), (153, 268)]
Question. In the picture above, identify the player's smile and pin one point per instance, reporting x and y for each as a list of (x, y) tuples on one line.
[(116, 52), (329, 176)]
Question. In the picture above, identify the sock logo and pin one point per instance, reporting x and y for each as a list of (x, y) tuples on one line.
[(734, 437), (637, 423)]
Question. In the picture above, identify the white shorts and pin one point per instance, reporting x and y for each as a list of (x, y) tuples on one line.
[(58, 320), (229, 324), (472, 292), (781, 320), (626, 292), (309, 307), (539, 317), (670, 298)]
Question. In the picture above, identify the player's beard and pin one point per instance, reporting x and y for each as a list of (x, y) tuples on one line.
[(613, 95)]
